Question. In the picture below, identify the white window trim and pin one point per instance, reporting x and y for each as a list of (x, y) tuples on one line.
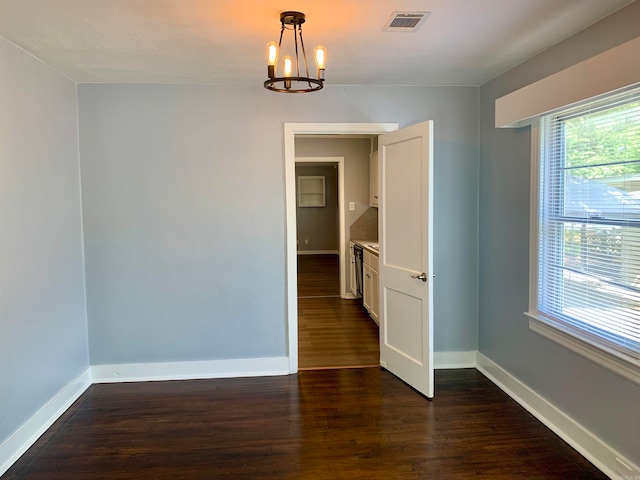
[(583, 345)]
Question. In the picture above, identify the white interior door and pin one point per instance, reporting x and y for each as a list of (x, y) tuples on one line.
[(406, 266)]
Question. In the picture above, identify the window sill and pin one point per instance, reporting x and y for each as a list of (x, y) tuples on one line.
[(618, 363)]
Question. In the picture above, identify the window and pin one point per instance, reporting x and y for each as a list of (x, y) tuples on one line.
[(586, 268)]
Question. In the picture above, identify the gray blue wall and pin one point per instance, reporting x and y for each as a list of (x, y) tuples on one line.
[(183, 201), (43, 325), (603, 402)]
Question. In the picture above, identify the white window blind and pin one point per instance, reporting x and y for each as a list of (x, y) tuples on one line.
[(589, 222)]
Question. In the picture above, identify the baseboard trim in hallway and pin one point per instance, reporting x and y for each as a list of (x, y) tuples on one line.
[(319, 296), (307, 369)]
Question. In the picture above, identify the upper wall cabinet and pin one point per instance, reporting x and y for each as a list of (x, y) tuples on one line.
[(373, 179), (311, 191)]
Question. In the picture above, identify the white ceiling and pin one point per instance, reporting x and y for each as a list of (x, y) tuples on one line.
[(463, 42)]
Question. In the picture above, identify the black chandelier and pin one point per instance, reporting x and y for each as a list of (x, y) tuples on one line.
[(290, 80)]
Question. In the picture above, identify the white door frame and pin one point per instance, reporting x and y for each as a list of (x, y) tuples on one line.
[(339, 162), (290, 131)]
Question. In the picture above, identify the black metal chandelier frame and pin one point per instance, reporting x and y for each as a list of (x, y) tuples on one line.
[(297, 83)]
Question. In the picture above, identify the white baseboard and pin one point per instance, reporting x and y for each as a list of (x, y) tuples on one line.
[(22, 439), (449, 360), (144, 372), (586, 443), (318, 252), (244, 367)]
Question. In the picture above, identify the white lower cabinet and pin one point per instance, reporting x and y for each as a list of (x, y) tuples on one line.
[(367, 287), (375, 296), (370, 295)]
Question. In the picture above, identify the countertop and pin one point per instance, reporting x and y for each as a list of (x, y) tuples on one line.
[(369, 245)]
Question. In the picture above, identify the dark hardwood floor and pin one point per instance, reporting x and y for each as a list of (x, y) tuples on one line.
[(322, 424), (318, 276), (332, 332)]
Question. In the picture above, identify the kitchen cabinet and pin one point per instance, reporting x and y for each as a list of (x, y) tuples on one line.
[(373, 180), (371, 294)]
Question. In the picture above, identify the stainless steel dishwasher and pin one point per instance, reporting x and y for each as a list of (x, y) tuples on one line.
[(358, 258)]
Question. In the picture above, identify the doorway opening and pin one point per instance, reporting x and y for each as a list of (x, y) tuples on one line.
[(340, 308), (334, 331), (320, 226)]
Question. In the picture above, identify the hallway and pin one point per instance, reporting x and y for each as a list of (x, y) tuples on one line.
[(332, 332)]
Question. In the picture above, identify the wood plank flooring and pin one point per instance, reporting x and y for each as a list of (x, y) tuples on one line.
[(322, 424), (318, 275), (332, 332)]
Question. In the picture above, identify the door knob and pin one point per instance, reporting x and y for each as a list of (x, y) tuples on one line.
[(422, 276)]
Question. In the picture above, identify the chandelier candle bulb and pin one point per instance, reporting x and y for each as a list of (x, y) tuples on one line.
[(287, 65), (287, 69), (320, 53), (272, 59)]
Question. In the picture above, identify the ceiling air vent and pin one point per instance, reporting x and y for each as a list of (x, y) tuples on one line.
[(405, 21)]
